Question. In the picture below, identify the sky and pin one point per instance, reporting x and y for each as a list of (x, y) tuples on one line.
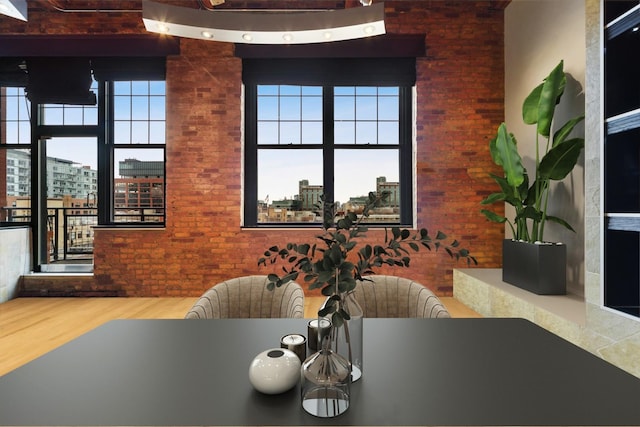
[(356, 171)]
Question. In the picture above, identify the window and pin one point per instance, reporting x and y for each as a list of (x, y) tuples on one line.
[(138, 139), (15, 156), (326, 134), (139, 151)]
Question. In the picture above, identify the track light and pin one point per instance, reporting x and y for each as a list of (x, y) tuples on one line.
[(264, 27), (14, 8)]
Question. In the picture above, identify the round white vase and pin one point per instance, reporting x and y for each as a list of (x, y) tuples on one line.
[(275, 371)]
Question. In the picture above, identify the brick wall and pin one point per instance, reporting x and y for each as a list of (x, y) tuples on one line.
[(459, 105)]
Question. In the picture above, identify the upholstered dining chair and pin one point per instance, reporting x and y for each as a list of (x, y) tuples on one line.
[(392, 296), (248, 296)]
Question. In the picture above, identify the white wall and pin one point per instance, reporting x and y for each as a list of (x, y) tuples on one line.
[(15, 259), (538, 34)]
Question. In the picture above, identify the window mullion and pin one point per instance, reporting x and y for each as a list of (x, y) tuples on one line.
[(406, 156), (328, 143), (251, 155), (105, 153)]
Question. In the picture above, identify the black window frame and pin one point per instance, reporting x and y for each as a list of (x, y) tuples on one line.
[(329, 73), (106, 71)]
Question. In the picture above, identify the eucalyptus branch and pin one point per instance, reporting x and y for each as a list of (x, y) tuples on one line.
[(326, 264)]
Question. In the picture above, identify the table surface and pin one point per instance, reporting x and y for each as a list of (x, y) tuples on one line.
[(416, 372)]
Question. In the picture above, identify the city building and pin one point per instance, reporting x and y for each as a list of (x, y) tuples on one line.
[(64, 177), (140, 185), (18, 173), (309, 195)]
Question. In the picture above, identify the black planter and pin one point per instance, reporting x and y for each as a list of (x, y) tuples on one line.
[(541, 269)]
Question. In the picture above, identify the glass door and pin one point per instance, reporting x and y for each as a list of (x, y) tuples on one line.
[(69, 203)]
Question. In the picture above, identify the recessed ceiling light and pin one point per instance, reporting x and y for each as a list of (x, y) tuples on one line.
[(287, 37), (369, 29), (207, 34), (634, 29), (163, 28), (247, 37), (327, 35)]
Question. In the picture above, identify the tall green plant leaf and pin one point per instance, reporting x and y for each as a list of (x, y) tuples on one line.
[(561, 159), (530, 106), (552, 88), (506, 153), (493, 217), (562, 133), (560, 221)]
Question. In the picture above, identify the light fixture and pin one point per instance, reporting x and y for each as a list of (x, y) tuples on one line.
[(264, 27), (14, 8)]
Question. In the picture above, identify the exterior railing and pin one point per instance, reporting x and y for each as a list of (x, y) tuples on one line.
[(70, 230)]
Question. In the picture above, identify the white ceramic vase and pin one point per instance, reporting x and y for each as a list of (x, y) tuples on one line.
[(275, 371)]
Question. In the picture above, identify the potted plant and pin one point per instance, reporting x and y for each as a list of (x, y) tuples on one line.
[(335, 260), (529, 261)]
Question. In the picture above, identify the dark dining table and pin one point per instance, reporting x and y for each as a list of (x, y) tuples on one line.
[(416, 372)]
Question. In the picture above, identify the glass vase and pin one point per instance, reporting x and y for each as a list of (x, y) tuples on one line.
[(348, 338), (326, 380)]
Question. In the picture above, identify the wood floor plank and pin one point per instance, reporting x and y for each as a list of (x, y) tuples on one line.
[(31, 327)]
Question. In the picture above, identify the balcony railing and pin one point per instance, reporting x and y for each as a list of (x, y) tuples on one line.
[(70, 230)]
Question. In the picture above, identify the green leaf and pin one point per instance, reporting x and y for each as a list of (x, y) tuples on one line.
[(491, 216), (273, 277), (508, 157), (327, 291), (303, 249), (560, 221), (440, 235), (530, 106), (552, 88), (530, 212), (564, 131), (366, 251), (492, 198), (337, 320), (561, 159), (324, 311)]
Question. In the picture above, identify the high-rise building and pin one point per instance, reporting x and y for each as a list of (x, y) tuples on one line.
[(64, 177), (18, 173)]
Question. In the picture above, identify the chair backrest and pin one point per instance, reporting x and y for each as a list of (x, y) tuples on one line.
[(392, 296), (248, 296)]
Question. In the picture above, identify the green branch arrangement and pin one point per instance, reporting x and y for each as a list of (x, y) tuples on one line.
[(325, 263)]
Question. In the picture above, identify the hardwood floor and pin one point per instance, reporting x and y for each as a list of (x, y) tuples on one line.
[(31, 327)]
